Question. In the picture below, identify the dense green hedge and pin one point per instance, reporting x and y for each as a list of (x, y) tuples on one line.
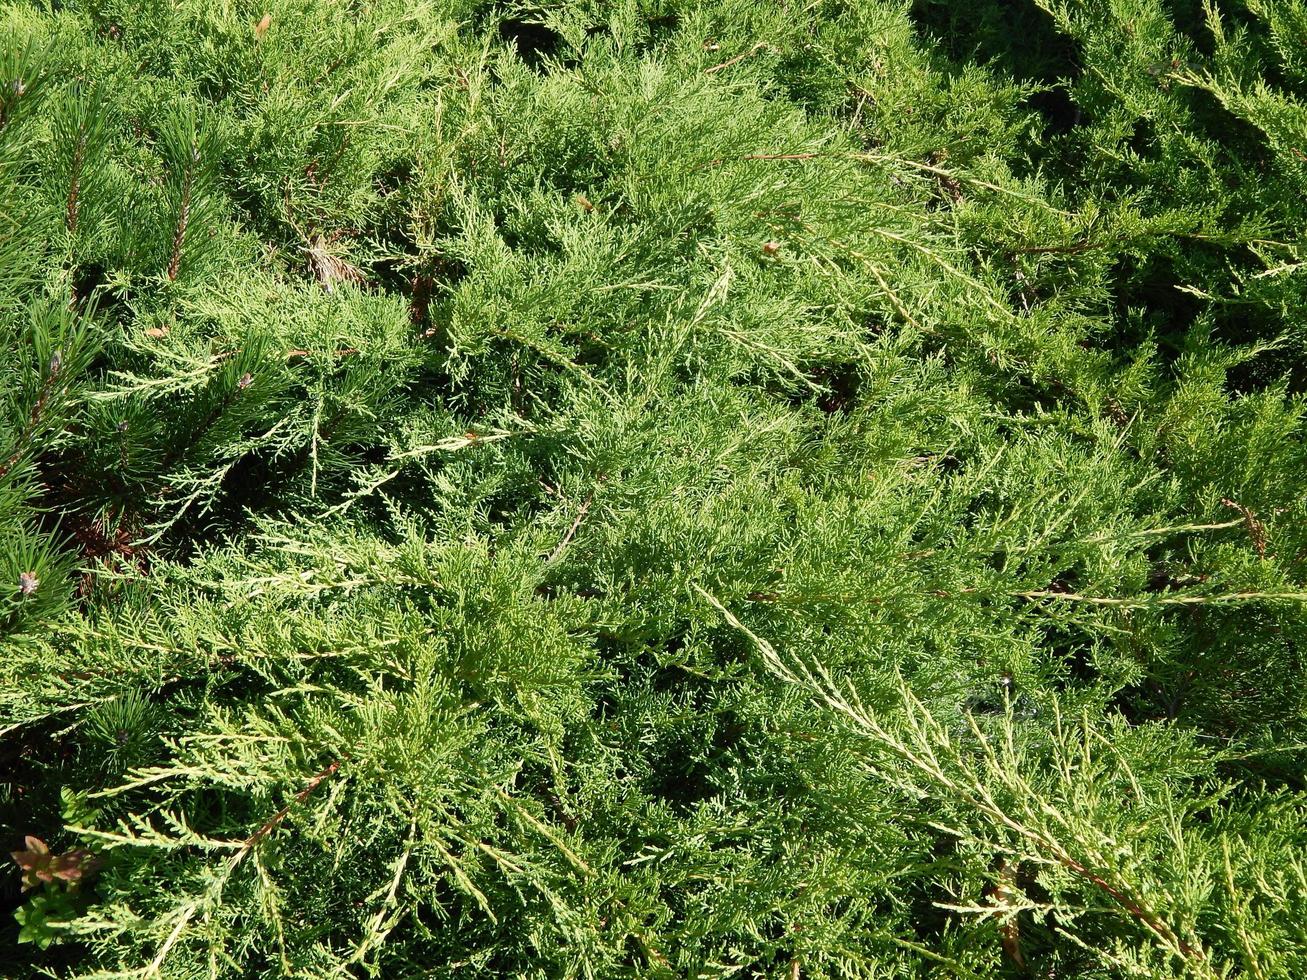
[(653, 488)]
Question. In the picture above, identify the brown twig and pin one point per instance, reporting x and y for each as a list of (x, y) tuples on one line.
[(1075, 249), (781, 156), (1147, 916), (737, 59), (74, 183), (301, 352), (271, 823), (1130, 602), (1256, 529), (571, 531), (33, 419), (183, 214), (1010, 931)]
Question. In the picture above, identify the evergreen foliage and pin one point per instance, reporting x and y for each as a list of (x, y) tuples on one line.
[(653, 488)]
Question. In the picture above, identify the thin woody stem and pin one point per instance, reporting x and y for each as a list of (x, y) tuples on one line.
[(271, 823), (183, 215)]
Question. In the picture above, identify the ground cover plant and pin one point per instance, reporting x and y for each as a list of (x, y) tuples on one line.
[(653, 488)]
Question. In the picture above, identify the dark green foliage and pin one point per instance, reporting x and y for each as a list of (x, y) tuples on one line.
[(653, 489)]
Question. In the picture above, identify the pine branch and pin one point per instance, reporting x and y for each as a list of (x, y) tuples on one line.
[(74, 182), (33, 423), (183, 212)]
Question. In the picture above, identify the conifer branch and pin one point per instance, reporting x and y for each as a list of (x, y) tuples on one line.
[(571, 531), (272, 822), (761, 45), (1148, 602), (183, 211), (33, 422), (74, 182), (928, 748), (587, 238)]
